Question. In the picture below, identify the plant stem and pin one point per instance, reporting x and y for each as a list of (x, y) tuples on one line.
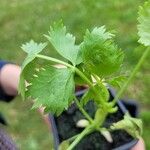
[(54, 60), (72, 138), (132, 75), (86, 131), (81, 74), (82, 110)]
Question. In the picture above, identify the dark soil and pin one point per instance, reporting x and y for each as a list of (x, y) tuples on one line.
[(66, 125)]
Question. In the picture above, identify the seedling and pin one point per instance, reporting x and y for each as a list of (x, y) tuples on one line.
[(94, 63)]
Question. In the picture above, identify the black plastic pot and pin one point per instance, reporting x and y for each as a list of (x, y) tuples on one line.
[(64, 127)]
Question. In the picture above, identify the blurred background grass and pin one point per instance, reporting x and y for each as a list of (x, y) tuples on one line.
[(21, 21)]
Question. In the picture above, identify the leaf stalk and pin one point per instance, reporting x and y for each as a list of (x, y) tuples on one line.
[(132, 75), (83, 111), (86, 131)]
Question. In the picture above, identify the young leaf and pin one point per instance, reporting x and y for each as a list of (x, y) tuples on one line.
[(131, 125), (64, 43), (101, 33), (52, 88), (144, 24), (90, 95), (117, 81), (100, 55), (32, 49)]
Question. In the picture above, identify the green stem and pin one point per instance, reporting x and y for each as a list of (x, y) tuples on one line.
[(84, 77), (86, 131), (83, 111), (54, 60), (135, 70), (72, 138)]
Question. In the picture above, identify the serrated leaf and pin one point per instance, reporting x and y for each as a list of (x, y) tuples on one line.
[(64, 43), (117, 81), (32, 49), (144, 24), (52, 88), (90, 94), (26, 76), (131, 125), (101, 33), (100, 55)]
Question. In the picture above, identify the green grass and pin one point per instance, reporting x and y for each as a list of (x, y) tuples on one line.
[(26, 126), (21, 21)]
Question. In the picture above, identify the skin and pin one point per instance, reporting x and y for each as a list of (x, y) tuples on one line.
[(139, 146), (9, 80)]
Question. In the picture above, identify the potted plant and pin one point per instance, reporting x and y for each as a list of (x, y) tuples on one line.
[(93, 63), (72, 122)]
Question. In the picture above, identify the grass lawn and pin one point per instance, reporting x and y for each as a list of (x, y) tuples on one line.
[(21, 21)]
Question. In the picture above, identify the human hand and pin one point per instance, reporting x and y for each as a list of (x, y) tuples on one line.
[(139, 145), (9, 79)]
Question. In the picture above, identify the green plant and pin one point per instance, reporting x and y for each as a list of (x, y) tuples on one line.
[(94, 62)]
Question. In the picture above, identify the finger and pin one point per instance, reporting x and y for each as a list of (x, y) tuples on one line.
[(139, 145)]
